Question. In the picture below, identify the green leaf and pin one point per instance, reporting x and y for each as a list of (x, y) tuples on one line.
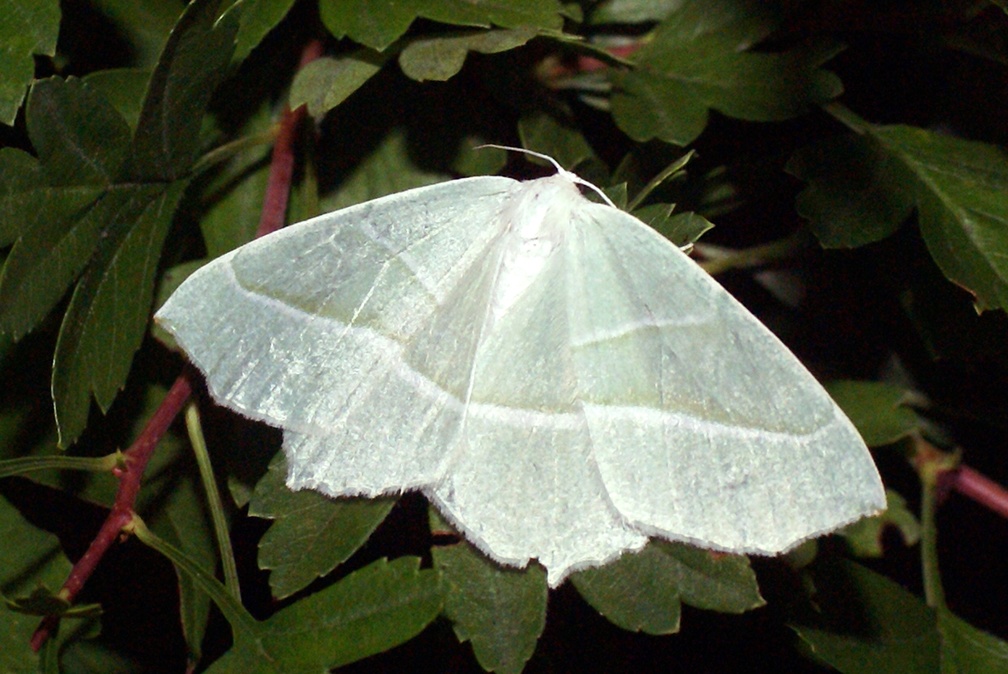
[(879, 411), (860, 190), (193, 62), (544, 133), (682, 229), (865, 536), (107, 209), (123, 89), (30, 559), (54, 210), (700, 58), (386, 170), (379, 25), (108, 312), (370, 611), (501, 611), (440, 58), (312, 534), (326, 82), (863, 623), (961, 190), (145, 25), (967, 650), (632, 11), (256, 19), (855, 193), (28, 27), (642, 591)]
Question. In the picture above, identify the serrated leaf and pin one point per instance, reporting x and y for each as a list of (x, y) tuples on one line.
[(193, 62), (959, 187), (108, 312), (700, 58), (879, 411), (370, 611), (854, 195), (440, 58), (54, 209), (500, 611), (961, 191), (326, 82), (864, 623), (312, 534), (682, 229), (28, 27), (107, 209), (379, 25), (642, 591)]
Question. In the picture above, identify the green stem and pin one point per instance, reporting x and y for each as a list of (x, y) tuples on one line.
[(213, 499), (664, 175), (228, 150), (934, 594), (29, 464), (241, 621)]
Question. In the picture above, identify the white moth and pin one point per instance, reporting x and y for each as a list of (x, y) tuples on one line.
[(557, 378)]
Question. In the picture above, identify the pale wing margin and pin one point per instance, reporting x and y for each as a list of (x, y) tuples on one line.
[(704, 426), (287, 327)]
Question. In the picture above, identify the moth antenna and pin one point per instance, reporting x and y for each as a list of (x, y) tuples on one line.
[(570, 175)]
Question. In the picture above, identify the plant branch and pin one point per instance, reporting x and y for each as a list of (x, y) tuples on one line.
[(282, 162), (978, 487), (133, 465)]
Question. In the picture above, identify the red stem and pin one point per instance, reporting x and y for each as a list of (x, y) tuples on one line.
[(980, 488), (135, 461), (139, 453), (282, 162)]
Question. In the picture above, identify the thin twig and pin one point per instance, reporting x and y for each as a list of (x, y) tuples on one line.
[(134, 462)]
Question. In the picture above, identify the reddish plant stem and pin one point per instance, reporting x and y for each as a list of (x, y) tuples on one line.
[(282, 162), (139, 453), (980, 488), (135, 462)]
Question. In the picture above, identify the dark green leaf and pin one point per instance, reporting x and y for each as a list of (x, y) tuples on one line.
[(878, 410), (961, 189), (700, 58), (145, 25), (326, 82), (440, 58), (82, 144), (311, 534), (682, 229), (632, 11), (123, 89), (193, 62), (865, 536), (967, 650), (108, 313), (545, 134), (855, 195), (501, 611), (36, 560), (379, 25), (28, 27), (369, 611), (642, 591), (256, 19), (864, 623)]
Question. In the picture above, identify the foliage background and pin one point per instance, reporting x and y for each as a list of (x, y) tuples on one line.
[(136, 143)]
